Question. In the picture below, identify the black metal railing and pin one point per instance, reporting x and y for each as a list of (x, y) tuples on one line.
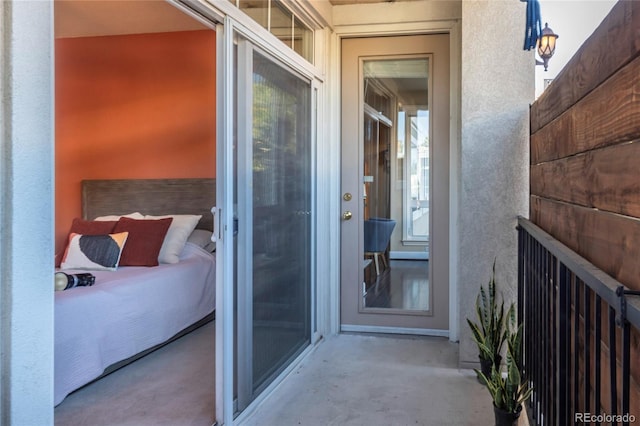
[(573, 314)]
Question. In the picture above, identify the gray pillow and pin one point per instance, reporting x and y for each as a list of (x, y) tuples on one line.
[(202, 238)]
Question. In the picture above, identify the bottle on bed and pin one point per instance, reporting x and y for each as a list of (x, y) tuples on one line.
[(66, 281)]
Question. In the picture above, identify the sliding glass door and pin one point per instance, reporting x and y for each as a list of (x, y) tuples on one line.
[(274, 212)]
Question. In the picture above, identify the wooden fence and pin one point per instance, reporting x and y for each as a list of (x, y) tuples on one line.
[(585, 163)]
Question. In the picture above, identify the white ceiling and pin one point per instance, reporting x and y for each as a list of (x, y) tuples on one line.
[(86, 18)]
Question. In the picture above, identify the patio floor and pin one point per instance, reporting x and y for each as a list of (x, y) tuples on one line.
[(354, 379)]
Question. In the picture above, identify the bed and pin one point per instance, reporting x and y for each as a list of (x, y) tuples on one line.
[(134, 310)]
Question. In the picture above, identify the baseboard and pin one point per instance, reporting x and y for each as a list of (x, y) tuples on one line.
[(409, 255)]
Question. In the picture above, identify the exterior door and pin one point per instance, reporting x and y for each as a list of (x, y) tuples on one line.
[(265, 186), (395, 184)]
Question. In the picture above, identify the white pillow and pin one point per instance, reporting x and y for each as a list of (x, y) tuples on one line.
[(181, 227), (115, 218)]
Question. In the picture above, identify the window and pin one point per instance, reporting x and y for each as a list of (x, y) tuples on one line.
[(281, 22)]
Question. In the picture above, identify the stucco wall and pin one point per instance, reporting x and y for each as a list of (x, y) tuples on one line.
[(497, 81), (26, 213)]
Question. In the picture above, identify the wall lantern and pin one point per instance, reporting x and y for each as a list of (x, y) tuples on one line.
[(546, 45)]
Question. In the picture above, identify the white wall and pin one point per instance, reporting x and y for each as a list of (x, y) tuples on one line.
[(26, 213), (497, 79)]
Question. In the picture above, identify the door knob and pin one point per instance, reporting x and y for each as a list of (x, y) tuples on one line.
[(347, 215)]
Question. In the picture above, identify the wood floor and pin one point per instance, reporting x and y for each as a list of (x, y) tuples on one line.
[(404, 284)]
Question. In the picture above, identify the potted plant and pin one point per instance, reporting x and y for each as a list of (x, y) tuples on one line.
[(489, 332), (509, 390)]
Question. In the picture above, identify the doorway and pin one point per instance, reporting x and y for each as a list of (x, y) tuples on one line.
[(395, 184)]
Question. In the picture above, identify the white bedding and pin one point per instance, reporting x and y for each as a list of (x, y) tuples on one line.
[(126, 312)]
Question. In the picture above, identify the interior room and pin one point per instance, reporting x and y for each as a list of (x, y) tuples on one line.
[(135, 101)]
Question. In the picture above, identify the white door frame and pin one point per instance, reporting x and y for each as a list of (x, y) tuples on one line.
[(453, 28), (232, 21)]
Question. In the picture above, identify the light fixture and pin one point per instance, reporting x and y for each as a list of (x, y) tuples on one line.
[(546, 45)]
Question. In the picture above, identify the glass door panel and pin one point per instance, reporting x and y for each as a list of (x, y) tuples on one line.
[(395, 97), (281, 218), (274, 189)]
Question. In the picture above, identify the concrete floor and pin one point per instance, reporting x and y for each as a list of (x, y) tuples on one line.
[(368, 380), (349, 379)]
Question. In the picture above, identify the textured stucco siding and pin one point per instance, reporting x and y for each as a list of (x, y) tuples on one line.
[(497, 81), (26, 213)]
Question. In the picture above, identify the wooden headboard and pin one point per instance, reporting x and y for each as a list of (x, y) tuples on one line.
[(150, 196)]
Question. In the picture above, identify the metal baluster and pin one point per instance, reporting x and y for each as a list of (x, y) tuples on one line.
[(545, 350), (612, 361), (554, 340), (564, 353), (598, 349), (587, 348), (626, 369), (528, 335), (538, 315), (576, 346)]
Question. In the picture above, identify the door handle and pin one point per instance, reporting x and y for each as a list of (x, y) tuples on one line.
[(347, 215)]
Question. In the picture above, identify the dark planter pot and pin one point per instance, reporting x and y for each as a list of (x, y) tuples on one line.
[(485, 367), (505, 418)]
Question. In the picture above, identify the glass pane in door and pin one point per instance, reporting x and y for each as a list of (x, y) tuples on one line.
[(281, 218), (396, 164)]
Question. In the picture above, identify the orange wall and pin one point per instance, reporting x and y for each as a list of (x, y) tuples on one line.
[(132, 106)]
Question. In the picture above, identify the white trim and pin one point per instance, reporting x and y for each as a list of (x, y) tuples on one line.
[(393, 330), (455, 188), (333, 178), (306, 13), (409, 255), (254, 32), (316, 332), (224, 201), (210, 20), (369, 30)]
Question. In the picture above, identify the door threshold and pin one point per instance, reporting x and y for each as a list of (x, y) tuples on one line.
[(393, 330)]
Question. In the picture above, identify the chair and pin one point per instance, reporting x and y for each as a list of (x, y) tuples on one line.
[(377, 233)]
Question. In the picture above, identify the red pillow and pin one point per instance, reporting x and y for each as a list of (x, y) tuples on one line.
[(92, 227), (144, 240)]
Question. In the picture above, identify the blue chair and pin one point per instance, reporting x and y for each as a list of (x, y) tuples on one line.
[(377, 234)]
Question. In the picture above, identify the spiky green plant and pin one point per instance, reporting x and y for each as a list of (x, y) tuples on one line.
[(511, 390), (489, 332)]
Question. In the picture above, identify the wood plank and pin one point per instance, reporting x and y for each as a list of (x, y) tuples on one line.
[(613, 44), (555, 140), (609, 241), (607, 179), (608, 115)]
